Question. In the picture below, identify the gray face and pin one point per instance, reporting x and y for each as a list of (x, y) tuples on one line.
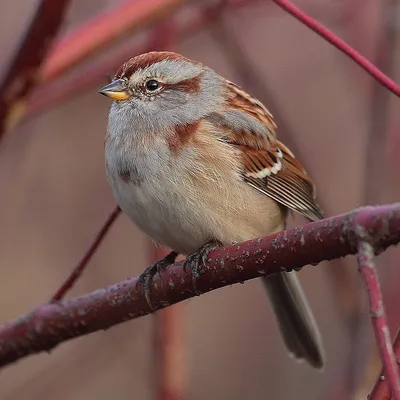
[(186, 92)]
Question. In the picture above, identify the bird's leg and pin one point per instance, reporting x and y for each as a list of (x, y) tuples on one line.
[(194, 261), (147, 275)]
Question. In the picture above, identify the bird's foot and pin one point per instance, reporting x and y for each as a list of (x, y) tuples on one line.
[(194, 261), (148, 274)]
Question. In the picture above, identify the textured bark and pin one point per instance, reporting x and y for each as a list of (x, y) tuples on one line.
[(378, 316), (51, 324)]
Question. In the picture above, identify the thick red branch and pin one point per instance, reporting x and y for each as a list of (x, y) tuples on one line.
[(340, 44), (51, 324), (22, 73)]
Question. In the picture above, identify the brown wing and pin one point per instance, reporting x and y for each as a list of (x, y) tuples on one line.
[(290, 185), (268, 165)]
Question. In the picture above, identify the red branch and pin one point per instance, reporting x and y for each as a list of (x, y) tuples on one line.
[(50, 324), (83, 77), (381, 390), (22, 73), (82, 264), (102, 30), (87, 75), (340, 44), (378, 316)]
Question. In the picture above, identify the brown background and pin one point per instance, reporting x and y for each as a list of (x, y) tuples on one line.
[(54, 197)]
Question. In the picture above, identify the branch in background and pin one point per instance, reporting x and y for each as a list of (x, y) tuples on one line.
[(22, 73), (93, 72), (51, 324), (360, 355), (340, 44), (378, 315), (169, 349), (100, 31), (381, 390), (83, 263), (377, 149), (88, 75)]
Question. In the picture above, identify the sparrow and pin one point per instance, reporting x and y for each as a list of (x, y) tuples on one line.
[(195, 163)]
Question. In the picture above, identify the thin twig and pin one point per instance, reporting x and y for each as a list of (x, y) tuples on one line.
[(360, 355), (84, 261), (22, 72), (381, 390), (340, 44), (368, 272), (50, 324)]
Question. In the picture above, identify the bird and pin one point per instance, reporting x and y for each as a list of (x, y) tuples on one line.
[(195, 162)]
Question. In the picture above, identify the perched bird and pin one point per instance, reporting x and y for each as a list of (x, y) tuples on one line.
[(194, 161)]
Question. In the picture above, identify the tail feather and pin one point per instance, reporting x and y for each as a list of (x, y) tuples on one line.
[(295, 318)]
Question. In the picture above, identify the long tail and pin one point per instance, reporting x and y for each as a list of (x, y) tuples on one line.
[(295, 318)]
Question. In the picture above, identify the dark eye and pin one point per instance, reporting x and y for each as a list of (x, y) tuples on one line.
[(152, 85)]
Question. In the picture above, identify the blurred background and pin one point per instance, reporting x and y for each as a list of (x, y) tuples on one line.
[(54, 197)]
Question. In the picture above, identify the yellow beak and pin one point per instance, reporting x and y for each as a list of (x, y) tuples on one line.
[(115, 91)]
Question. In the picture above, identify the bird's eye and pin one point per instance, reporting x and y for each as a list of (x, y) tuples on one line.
[(152, 85)]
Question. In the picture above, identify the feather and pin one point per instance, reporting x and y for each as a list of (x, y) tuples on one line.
[(267, 164)]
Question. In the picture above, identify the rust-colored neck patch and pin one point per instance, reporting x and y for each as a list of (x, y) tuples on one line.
[(181, 135)]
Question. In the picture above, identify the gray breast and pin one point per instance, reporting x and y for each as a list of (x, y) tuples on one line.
[(127, 170)]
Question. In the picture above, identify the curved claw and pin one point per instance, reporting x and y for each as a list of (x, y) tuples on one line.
[(194, 261), (148, 274)]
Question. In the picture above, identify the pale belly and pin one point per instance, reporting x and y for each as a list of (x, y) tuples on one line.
[(184, 214), (185, 204)]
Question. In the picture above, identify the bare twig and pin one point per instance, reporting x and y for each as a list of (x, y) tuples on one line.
[(378, 316), (340, 44), (82, 264), (51, 324), (381, 390), (22, 73), (360, 355)]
